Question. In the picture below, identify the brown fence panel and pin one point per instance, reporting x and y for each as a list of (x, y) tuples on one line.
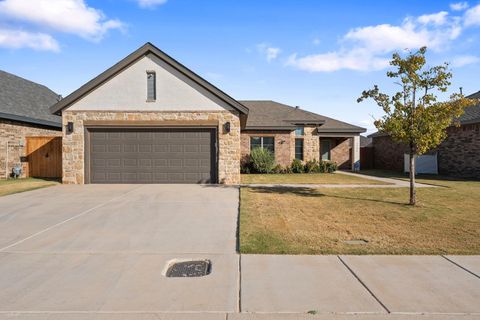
[(366, 157), (44, 156)]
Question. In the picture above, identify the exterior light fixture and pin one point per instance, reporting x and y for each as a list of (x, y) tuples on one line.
[(226, 127), (69, 127)]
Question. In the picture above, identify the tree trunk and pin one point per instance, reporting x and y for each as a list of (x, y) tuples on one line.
[(413, 192)]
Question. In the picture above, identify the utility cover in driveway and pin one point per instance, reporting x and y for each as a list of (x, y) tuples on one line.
[(151, 155), (189, 269)]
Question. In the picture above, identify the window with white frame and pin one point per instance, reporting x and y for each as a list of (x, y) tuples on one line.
[(263, 142)]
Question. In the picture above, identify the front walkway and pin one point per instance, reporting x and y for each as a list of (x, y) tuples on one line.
[(389, 183)]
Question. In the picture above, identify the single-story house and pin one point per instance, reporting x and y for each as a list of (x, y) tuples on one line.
[(24, 112), (458, 155), (149, 119)]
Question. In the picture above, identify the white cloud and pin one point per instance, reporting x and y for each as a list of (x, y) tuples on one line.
[(150, 3), (369, 48), (16, 39), (68, 16), (316, 41), (460, 61), (472, 16), (270, 53), (459, 6), (439, 18), (356, 59)]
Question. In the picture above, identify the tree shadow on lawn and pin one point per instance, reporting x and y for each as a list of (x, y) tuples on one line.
[(315, 193)]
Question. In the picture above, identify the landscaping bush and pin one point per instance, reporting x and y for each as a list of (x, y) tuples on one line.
[(297, 166), (331, 167), (312, 166), (278, 169), (262, 160)]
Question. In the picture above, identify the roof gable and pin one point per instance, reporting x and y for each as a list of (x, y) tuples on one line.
[(145, 50)]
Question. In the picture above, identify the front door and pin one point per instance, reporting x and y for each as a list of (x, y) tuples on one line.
[(325, 146)]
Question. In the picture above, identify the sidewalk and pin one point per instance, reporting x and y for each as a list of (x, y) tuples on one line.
[(389, 183), (361, 284)]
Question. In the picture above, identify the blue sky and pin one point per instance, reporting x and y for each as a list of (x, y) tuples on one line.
[(316, 54)]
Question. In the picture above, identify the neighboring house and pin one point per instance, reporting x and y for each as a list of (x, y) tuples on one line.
[(458, 155), (149, 119), (24, 112)]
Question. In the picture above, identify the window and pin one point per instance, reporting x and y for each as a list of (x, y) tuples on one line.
[(299, 131), (263, 142), (325, 149), (299, 149), (151, 86)]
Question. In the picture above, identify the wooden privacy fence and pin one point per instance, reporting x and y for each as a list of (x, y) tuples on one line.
[(44, 155)]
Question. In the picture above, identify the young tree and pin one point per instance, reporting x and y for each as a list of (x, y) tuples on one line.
[(413, 116)]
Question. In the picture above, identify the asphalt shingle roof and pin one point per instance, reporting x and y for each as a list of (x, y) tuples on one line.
[(272, 115), (27, 101), (471, 114)]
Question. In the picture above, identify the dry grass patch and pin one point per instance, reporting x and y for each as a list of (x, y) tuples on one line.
[(20, 185), (306, 178), (319, 221)]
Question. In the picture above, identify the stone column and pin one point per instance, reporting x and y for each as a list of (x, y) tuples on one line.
[(356, 153)]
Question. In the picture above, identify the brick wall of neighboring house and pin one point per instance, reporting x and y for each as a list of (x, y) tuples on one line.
[(388, 155), (283, 144), (340, 152), (15, 133), (74, 143), (459, 154)]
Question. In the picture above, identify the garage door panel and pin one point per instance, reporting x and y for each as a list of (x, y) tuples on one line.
[(124, 155)]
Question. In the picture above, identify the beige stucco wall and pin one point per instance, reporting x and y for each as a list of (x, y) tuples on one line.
[(74, 143), (127, 91)]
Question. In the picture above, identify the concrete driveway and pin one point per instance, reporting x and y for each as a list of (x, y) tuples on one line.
[(102, 248)]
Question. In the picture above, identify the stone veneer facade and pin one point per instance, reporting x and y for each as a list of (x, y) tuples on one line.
[(285, 146), (74, 143), (458, 155), (16, 132)]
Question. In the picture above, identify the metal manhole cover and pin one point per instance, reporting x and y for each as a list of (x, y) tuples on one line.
[(185, 269)]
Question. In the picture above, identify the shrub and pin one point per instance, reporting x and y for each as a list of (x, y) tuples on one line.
[(331, 167), (278, 169), (262, 160), (312, 166), (297, 166), (245, 168)]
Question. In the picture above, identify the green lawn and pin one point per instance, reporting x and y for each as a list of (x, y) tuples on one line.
[(305, 178), (20, 185), (319, 221)]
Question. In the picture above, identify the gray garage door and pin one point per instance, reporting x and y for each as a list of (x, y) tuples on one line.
[(151, 155)]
